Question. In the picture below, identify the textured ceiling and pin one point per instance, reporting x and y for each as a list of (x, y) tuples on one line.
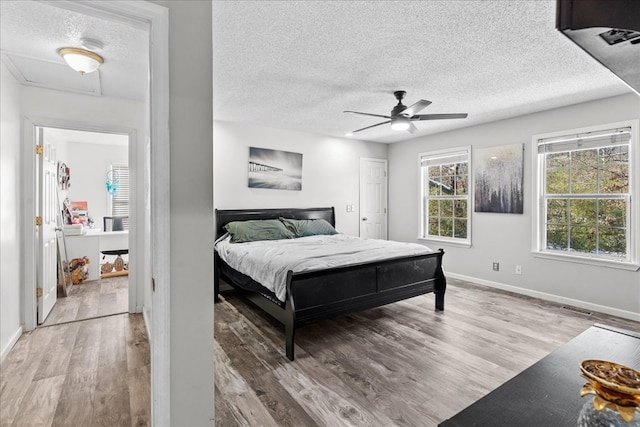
[(31, 33), (298, 64)]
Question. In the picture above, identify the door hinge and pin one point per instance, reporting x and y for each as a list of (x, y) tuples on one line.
[(39, 149), (38, 221), (385, 210), (38, 292)]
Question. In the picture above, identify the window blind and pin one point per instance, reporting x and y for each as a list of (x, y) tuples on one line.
[(120, 201), (450, 157), (584, 141)]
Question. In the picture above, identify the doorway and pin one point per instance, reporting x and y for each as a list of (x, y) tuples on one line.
[(91, 183), (373, 198), (152, 213), (135, 156)]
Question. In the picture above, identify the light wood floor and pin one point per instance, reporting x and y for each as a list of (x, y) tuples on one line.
[(91, 299), (87, 373), (403, 364)]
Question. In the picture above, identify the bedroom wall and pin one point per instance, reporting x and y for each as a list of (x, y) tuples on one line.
[(10, 244), (330, 170), (89, 164), (506, 238)]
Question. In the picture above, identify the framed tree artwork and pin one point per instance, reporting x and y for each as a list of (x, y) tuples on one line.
[(499, 179)]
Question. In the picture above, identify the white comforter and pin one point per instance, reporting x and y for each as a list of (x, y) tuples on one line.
[(268, 261)]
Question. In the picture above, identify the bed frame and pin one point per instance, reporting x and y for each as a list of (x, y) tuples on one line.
[(318, 295)]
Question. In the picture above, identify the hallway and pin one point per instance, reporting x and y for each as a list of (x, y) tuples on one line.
[(92, 372), (96, 298)]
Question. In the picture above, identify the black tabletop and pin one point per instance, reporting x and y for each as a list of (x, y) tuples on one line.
[(548, 393)]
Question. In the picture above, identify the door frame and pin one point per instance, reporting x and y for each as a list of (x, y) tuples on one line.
[(30, 207), (154, 18), (362, 192)]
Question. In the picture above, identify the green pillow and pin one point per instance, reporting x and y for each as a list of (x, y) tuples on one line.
[(254, 230), (308, 227)]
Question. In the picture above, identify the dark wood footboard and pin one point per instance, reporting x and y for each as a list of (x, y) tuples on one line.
[(316, 295)]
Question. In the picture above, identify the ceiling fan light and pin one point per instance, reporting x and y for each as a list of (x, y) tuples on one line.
[(400, 123), (82, 60)]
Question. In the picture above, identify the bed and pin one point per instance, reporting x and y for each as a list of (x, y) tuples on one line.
[(318, 294)]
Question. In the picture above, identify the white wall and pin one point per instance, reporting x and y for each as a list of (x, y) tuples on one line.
[(330, 170), (89, 164), (10, 243), (506, 238), (191, 214)]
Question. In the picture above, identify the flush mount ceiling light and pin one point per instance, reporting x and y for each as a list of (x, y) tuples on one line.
[(82, 60)]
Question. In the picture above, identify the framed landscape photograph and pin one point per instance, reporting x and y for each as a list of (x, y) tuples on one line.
[(499, 179), (275, 169)]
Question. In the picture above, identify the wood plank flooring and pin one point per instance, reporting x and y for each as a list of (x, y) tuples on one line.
[(92, 299), (403, 364), (92, 372)]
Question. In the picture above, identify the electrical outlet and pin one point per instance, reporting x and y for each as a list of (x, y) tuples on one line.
[(496, 266), (518, 269)]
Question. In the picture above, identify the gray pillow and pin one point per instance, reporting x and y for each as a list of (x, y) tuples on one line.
[(308, 227), (254, 230)]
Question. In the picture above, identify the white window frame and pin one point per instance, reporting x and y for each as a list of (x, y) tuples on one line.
[(633, 209), (423, 216)]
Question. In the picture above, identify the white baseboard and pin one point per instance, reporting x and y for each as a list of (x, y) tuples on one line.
[(550, 297), (14, 339)]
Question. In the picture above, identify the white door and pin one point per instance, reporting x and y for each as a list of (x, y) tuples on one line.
[(373, 198), (47, 241)]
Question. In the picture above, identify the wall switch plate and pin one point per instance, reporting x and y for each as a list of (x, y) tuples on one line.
[(496, 266), (518, 269)]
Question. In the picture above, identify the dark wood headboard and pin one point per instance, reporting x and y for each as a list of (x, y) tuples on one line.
[(223, 217)]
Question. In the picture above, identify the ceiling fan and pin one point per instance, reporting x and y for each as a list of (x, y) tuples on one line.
[(402, 116)]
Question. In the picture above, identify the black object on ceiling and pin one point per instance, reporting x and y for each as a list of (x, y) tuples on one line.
[(614, 35), (616, 22), (401, 117)]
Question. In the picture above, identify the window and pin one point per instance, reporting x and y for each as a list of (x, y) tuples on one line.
[(120, 201), (445, 213), (585, 188)]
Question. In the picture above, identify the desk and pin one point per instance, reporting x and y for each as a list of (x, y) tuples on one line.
[(91, 243), (548, 393)]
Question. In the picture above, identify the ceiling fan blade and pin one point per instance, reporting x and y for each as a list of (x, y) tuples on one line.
[(367, 114), (372, 126), (412, 128), (418, 106), (439, 116)]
